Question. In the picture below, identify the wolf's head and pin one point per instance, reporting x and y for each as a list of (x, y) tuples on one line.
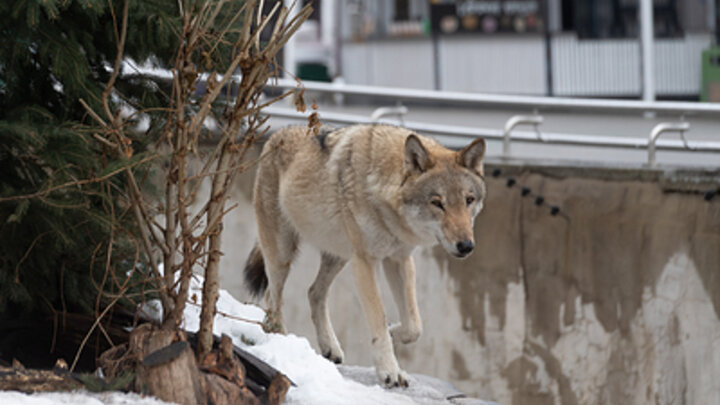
[(442, 193)]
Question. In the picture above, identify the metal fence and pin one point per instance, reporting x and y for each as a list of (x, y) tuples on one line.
[(455, 136)]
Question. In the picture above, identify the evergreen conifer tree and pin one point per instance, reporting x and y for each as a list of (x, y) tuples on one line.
[(56, 224)]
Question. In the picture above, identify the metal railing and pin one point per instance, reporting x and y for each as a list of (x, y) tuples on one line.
[(381, 112), (451, 133), (454, 136), (516, 120), (666, 127), (514, 101)]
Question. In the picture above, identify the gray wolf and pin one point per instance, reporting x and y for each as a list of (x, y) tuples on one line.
[(368, 195)]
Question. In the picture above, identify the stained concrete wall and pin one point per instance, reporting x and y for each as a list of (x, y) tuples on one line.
[(614, 301)]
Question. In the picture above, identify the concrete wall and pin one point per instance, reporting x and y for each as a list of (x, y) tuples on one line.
[(616, 302)]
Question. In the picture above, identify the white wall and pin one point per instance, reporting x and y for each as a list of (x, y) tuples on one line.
[(501, 64), (598, 68), (490, 65), (677, 64), (612, 67), (392, 63), (516, 65)]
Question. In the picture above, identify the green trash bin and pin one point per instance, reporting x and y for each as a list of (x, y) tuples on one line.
[(313, 71), (710, 88)]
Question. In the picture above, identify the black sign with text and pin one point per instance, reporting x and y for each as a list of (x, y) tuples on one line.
[(486, 16)]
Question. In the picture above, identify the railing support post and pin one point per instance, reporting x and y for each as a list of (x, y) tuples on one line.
[(514, 121), (398, 111), (665, 127)]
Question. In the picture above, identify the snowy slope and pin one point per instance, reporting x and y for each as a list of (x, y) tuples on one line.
[(76, 398), (318, 381)]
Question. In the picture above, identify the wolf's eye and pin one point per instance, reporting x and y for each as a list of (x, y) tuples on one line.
[(437, 203), (469, 200)]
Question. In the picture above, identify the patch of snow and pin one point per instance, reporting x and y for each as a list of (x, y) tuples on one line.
[(77, 398), (242, 322), (317, 380), (422, 389), (152, 309)]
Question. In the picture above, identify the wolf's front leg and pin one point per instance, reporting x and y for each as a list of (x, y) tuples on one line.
[(386, 364), (401, 278)]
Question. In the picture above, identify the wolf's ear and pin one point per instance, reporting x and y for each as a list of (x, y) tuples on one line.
[(417, 158), (472, 156)]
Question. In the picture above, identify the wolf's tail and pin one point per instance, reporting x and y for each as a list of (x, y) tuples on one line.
[(255, 277)]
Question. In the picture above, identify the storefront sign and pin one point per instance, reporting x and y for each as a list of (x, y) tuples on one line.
[(486, 16)]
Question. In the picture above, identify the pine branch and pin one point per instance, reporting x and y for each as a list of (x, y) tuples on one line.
[(43, 193)]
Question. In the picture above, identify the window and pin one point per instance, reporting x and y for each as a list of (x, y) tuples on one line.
[(402, 10), (596, 19)]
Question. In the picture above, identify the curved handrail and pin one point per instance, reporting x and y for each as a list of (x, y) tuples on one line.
[(398, 111), (516, 120), (665, 127)]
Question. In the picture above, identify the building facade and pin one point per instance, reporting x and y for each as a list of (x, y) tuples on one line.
[(532, 47)]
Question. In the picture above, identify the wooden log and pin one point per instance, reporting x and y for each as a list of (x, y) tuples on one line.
[(258, 375), (278, 389), (167, 369), (18, 378), (219, 391), (222, 361)]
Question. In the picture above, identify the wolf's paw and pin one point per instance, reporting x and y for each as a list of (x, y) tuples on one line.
[(330, 349), (273, 322), (396, 378), (334, 356), (403, 334)]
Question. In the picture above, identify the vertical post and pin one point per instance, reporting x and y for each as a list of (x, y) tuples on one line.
[(547, 13), (289, 60), (712, 18), (647, 49), (328, 33), (338, 36), (436, 61)]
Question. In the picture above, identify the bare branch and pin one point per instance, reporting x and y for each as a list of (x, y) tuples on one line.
[(118, 61)]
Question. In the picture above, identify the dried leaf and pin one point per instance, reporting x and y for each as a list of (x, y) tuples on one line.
[(300, 100), (314, 123), (211, 81)]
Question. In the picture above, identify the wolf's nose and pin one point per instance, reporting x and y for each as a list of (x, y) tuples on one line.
[(465, 247)]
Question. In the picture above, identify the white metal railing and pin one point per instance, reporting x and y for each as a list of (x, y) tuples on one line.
[(516, 120), (652, 144), (398, 111), (454, 136), (494, 100), (457, 136), (514, 101), (666, 127)]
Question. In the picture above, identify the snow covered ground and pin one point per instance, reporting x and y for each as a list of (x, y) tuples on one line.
[(76, 398), (318, 381)]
